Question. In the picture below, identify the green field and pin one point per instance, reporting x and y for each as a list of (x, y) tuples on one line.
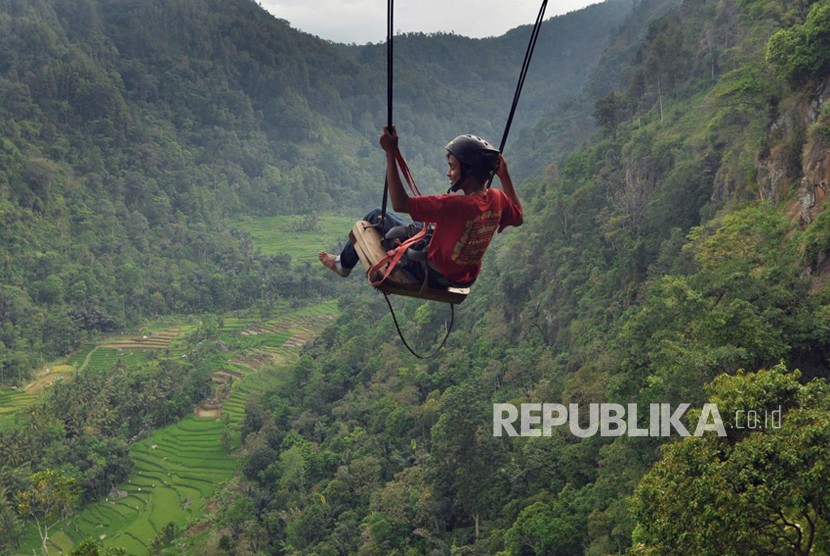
[(177, 470), (180, 468), (12, 401), (282, 235)]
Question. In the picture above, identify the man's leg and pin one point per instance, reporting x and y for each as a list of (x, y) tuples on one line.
[(344, 263), (332, 262), (389, 222)]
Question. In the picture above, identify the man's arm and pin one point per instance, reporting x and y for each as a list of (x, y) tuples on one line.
[(507, 184), (397, 193)]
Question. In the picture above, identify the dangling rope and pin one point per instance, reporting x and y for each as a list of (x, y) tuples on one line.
[(400, 334)]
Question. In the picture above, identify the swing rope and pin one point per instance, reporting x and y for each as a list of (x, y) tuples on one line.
[(531, 46), (409, 180), (390, 7), (389, 98)]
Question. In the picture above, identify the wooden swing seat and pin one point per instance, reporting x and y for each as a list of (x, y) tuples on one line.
[(366, 240)]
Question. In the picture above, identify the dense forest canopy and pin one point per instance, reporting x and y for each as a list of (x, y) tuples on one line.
[(135, 132), (673, 158)]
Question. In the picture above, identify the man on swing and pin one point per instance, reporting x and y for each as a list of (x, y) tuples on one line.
[(464, 224)]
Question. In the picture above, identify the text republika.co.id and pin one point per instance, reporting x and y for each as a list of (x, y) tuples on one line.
[(612, 419)]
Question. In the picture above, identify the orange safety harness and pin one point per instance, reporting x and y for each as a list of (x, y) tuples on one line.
[(393, 256)]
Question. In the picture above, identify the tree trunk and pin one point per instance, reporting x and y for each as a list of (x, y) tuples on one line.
[(44, 535), (660, 98)]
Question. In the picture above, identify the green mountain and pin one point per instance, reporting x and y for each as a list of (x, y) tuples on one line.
[(673, 157), (134, 133), (677, 257)]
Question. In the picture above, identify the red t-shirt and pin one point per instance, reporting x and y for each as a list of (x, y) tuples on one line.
[(464, 226)]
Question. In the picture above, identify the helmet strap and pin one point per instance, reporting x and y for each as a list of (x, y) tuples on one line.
[(457, 185)]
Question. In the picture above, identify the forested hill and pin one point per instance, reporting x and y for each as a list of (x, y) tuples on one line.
[(283, 120), (675, 251), (448, 84), (679, 256), (134, 132)]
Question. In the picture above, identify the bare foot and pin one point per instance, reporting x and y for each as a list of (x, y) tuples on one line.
[(328, 261)]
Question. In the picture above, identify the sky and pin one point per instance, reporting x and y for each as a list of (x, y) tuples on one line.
[(364, 21)]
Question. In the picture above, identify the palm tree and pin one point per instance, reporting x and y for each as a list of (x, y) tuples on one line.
[(14, 449), (10, 526)]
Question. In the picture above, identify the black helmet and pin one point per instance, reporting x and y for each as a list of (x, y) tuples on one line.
[(476, 155)]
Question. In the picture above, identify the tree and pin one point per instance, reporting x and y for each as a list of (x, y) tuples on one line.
[(92, 547), (802, 53), (610, 111), (558, 528), (166, 537), (51, 497), (468, 460), (407, 510), (759, 490), (10, 526)]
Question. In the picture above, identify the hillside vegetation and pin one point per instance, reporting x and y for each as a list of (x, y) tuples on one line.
[(133, 135), (679, 257), (675, 251)]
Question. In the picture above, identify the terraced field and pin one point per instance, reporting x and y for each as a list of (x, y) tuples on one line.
[(12, 401), (282, 234), (177, 471), (272, 347), (132, 351), (180, 468), (150, 341)]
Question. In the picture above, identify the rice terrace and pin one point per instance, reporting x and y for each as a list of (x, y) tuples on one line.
[(197, 359), (179, 469)]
